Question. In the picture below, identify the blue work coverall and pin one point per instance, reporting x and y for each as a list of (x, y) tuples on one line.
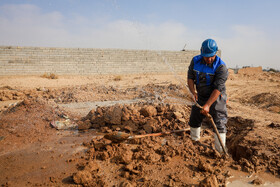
[(207, 78)]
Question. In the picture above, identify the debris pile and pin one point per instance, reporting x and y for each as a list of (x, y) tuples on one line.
[(137, 118), (133, 161)]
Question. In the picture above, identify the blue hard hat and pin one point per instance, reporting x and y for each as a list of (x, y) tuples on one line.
[(209, 48)]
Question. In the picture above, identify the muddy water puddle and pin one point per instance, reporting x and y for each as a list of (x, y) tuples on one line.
[(44, 162), (241, 179)]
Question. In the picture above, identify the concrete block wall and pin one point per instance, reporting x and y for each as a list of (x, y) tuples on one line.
[(89, 61)]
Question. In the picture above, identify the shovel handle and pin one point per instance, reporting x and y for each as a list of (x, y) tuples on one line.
[(158, 134), (215, 128), (217, 132)]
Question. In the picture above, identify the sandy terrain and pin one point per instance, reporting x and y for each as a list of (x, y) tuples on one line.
[(34, 153)]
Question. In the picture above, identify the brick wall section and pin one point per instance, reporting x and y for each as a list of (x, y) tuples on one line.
[(88, 61)]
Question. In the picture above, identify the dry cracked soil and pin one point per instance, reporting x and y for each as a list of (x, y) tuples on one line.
[(94, 109)]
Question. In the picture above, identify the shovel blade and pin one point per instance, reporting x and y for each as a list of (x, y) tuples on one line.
[(117, 136)]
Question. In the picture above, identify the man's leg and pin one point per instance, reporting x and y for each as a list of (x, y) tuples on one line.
[(195, 123), (219, 114)]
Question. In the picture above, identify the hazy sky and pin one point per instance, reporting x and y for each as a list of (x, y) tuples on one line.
[(247, 31)]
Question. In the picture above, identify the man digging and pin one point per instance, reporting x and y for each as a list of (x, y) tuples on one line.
[(207, 75)]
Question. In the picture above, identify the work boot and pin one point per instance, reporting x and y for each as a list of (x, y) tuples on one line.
[(218, 146), (195, 133)]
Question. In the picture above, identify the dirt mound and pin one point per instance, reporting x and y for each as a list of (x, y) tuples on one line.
[(136, 161), (8, 93), (139, 162), (27, 121), (269, 101), (137, 118), (250, 70)]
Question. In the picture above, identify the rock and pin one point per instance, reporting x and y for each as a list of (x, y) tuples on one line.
[(104, 156), (125, 174), (153, 157), (170, 116), (160, 110), (257, 182), (129, 167), (90, 114), (177, 115), (126, 184), (126, 156), (99, 111), (130, 125), (95, 126), (135, 171), (246, 165), (98, 121), (9, 96), (82, 177), (202, 166), (166, 158), (97, 144), (148, 128), (26, 102), (182, 120), (84, 125), (150, 125), (176, 108), (236, 167), (148, 111), (113, 115), (209, 181), (135, 113), (91, 166), (125, 114)]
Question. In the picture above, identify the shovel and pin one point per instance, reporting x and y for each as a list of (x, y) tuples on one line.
[(118, 137), (215, 128)]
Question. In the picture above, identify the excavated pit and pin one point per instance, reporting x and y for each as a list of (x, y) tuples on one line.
[(252, 153), (237, 130)]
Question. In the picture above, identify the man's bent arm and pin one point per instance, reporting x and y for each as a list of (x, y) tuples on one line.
[(191, 85), (192, 89), (213, 97)]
